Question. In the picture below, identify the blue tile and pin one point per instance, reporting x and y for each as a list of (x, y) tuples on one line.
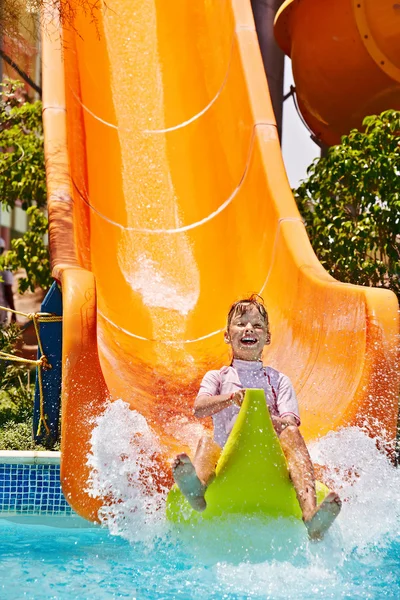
[(32, 489)]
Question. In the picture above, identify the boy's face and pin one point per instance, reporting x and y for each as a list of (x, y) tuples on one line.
[(248, 334)]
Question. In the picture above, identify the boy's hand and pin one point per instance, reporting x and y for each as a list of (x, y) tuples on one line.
[(281, 424), (238, 397)]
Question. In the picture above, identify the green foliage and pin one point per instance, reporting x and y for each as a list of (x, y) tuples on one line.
[(18, 436), (351, 205), (22, 169), (16, 399), (9, 373), (15, 406), (23, 178), (16, 392), (29, 252)]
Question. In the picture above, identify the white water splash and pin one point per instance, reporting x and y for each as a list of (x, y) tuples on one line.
[(123, 464), (123, 468), (368, 483)]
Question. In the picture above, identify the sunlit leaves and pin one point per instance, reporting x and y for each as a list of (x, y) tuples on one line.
[(30, 253), (23, 179), (351, 204), (22, 169)]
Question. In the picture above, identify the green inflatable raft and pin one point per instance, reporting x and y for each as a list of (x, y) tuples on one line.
[(252, 477)]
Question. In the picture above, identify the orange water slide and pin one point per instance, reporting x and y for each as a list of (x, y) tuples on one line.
[(168, 199)]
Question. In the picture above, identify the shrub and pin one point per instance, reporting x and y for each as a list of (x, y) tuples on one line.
[(16, 399), (351, 205), (18, 436)]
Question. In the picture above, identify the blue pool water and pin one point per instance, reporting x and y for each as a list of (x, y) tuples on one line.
[(136, 555), (40, 562)]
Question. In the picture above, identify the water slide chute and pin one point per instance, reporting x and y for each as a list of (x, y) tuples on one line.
[(168, 199)]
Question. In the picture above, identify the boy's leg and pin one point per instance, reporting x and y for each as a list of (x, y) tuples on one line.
[(300, 468), (206, 458), (317, 519), (193, 478)]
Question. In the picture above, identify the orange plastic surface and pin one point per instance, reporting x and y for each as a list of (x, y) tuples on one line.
[(345, 58), (180, 206)]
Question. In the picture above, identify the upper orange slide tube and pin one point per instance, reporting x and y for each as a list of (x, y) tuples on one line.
[(345, 59), (168, 200)]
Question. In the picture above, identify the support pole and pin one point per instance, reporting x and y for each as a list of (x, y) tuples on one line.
[(264, 12)]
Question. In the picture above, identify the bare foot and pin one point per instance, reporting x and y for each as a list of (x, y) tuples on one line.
[(187, 481), (322, 518)]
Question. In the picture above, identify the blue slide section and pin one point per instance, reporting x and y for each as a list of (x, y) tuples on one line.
[(51, 338)]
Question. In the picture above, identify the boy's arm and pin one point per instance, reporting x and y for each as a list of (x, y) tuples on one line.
[(206, 406)]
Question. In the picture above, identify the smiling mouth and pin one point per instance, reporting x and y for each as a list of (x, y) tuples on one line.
[(248, 341)]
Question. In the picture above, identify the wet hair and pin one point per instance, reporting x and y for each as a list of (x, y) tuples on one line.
[(241, 306)]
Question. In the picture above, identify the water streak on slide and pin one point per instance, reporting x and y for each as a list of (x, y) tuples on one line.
[(168, 200)]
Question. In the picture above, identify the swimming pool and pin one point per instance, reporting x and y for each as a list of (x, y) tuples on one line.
[(360, 557), (41, 562)]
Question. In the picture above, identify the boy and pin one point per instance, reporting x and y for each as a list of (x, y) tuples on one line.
[(221, 395)]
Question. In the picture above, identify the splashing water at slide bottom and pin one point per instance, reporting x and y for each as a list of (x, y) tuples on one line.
[(246, 557), (138, 556)]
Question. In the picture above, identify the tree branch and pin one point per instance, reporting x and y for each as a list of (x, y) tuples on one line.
[(20, 72)]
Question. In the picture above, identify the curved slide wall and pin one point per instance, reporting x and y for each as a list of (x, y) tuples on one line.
[(168, 200)]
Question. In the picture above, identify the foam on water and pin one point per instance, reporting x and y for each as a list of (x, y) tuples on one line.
[(247, 556)]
